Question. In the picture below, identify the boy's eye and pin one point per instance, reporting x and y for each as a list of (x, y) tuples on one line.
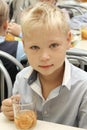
[(34, 47), (54, 45)]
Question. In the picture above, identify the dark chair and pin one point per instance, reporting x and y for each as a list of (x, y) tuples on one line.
[(77, 52), (4, 75), (72, 10), (78, 57), (5, 79), (78, 61)]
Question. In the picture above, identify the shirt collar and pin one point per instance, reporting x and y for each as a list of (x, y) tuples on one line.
[(67, 75), (32, 75), (2, 39)]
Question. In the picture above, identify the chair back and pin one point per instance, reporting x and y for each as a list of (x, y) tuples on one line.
[(79, 61), (4, 75)]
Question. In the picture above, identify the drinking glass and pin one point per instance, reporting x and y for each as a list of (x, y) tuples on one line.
[(24, 115), (83, 0), (84, 31)]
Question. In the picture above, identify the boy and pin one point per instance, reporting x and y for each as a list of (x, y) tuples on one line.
[(60, 89)]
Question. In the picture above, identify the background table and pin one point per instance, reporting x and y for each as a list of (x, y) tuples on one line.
[(79, 49), (5, 124), (82, 45)]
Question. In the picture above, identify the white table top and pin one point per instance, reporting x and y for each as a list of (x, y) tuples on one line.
[(79, 48), (41, 125), (82, 45)]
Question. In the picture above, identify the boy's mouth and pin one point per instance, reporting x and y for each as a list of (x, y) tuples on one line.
[(45, 66)]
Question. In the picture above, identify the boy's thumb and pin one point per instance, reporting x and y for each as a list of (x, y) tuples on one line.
[(15, 98)]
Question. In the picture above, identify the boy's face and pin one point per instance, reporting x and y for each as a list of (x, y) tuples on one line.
[(46, 49)]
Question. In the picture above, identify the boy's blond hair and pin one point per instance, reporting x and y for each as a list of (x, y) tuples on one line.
[(44, 14), (4, 12)]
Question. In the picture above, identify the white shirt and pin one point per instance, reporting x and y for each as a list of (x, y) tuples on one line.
[(20, 55), (66, 104)]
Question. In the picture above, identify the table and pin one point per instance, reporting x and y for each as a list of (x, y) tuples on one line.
[(80, 49), (82, 45), (41, 125)]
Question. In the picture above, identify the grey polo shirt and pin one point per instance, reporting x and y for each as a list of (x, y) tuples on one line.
[(66, 104)]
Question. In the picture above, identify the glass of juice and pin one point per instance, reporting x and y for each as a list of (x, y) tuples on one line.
[(25, 115), (83, 0), (84, 31)]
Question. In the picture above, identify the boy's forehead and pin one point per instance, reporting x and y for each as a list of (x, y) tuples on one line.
[(44, 30), (43, 34)]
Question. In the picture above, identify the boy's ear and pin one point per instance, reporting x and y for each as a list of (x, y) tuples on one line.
[(5, 25), (69, 37)]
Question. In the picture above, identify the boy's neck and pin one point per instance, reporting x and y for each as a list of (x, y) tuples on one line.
[(48, 83), (56, 76)]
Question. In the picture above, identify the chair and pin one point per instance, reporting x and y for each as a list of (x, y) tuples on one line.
[(73, 9), (11, 58), (79, 61), (4, 75), (77, 52), (82, 8), (78, 57)]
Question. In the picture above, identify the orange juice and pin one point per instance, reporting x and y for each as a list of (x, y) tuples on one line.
[(9, 37), (84, 33), (25, 119), (83, 0)]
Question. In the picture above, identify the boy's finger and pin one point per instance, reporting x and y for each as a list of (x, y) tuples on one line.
[(6, 108), (15, 99), (7, 102)]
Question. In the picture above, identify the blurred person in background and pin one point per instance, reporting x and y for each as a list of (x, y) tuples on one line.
[(16, 7), (7, 44)]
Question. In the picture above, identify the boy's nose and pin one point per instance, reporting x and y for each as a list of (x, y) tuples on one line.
[(45, 56)]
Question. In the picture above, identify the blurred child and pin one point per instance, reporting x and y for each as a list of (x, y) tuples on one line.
[(60, 88), (12, 47)]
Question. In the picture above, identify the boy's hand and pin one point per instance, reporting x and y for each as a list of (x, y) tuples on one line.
[(7, 106), (14, 29)]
